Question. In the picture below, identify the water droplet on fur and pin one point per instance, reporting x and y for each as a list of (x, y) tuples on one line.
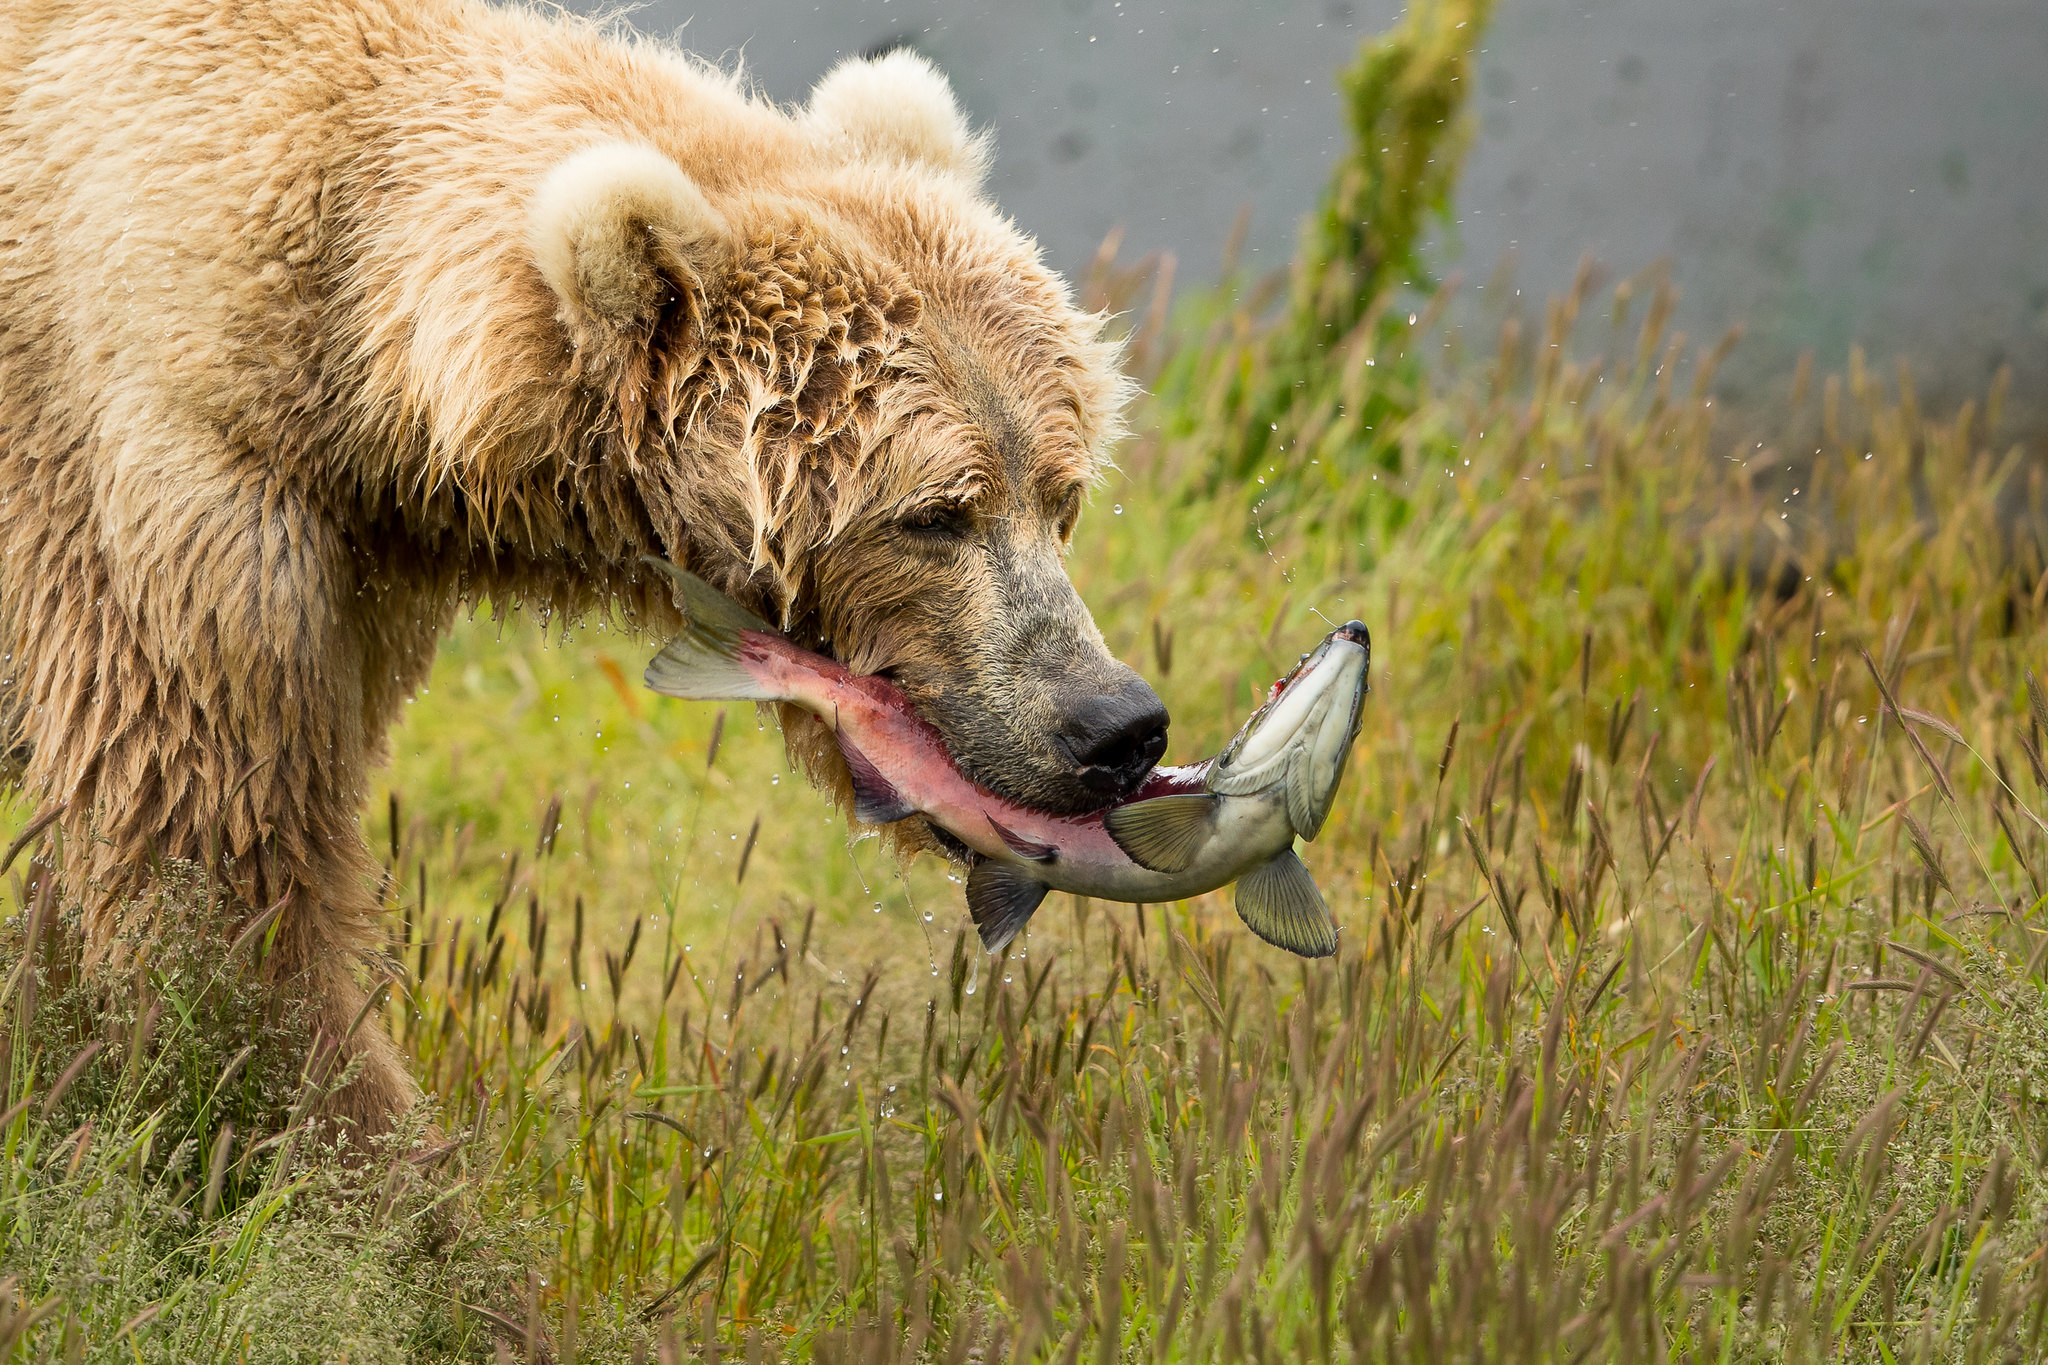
[(1117, 508), (878, 907)]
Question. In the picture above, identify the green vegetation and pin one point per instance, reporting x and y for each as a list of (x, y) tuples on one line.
[(1250, 393), (1692, 1004)]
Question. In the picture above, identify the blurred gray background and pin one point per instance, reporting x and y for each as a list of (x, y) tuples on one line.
[(1824, 172)]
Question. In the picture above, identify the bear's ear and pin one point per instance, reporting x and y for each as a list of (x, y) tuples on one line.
[(897, 107), (617, 228)]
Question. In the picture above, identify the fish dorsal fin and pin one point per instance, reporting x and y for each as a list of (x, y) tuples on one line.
[(1165, 833), (1021, 846), (1001, 897), (1278, 901), (875, 798), (703, 662)]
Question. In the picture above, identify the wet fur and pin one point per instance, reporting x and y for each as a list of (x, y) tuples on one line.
[(322, 320)]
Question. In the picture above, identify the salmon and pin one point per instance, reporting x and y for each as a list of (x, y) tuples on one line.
[(1188, 830)]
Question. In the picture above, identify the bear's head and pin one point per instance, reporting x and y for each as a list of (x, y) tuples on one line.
[(845, 390)]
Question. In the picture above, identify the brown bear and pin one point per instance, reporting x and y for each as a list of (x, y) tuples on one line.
[(321, 320)]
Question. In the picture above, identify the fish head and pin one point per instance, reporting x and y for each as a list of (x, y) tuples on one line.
[(1296, 744)]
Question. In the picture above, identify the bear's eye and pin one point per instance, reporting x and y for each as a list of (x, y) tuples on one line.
[(939, 521), (1069, 513)]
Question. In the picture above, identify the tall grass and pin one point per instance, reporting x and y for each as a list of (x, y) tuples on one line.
[(1690, 1001)]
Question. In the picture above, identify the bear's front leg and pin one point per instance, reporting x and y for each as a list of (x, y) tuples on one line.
[(191, 664)]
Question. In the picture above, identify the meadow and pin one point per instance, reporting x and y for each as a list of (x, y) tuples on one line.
[(1691, 1004)]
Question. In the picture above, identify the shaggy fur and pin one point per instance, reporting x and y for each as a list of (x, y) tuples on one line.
[(320, 319)]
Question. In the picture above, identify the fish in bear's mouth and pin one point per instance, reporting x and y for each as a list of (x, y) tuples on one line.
[(1182, 832)]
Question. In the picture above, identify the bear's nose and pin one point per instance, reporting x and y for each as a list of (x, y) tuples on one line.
[(1114, 738)]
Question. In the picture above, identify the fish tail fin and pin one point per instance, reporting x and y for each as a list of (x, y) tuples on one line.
[(704, 665), (1001, 897), (706, 605), (1279, 902), (703, 662)]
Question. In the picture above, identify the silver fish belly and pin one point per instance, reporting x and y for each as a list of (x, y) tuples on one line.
[(1274, 782)]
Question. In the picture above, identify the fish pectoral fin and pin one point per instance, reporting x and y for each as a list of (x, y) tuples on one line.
[(1304, 811), (1021, 846), (1001, 897), (1279, 902), (1165, 833), (875, 799)]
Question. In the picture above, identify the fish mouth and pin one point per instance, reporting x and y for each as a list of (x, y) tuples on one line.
[(1299, 740)]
